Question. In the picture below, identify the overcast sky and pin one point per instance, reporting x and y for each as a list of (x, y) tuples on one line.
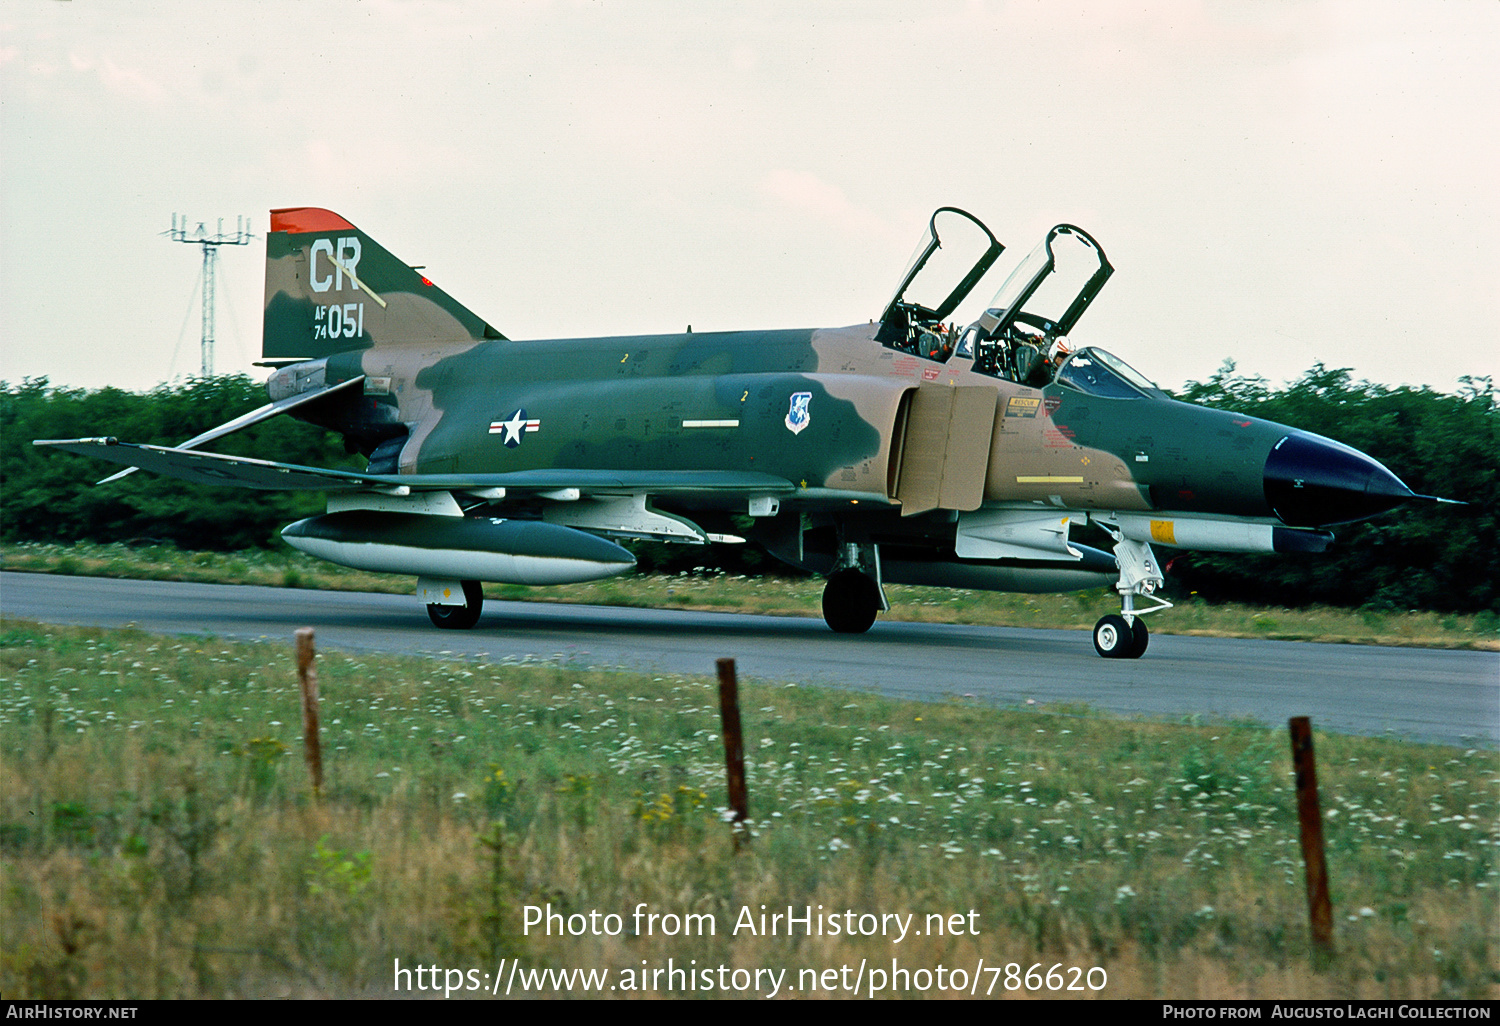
[(1277, 184)]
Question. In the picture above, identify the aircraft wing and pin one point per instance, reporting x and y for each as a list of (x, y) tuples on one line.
[(242, 472)]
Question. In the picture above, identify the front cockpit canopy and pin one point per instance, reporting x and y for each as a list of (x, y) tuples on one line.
[(957, 247), (1095, 372), (1053, 286)]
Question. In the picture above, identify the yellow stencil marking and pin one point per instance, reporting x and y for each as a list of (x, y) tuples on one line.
[(1164, 531)]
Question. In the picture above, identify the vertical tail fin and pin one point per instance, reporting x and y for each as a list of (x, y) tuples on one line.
[(331, 288)]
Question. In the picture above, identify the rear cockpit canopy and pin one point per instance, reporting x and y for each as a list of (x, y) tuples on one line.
[(1023, 334)]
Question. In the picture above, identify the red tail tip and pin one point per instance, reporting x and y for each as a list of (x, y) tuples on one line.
[(308, 219)]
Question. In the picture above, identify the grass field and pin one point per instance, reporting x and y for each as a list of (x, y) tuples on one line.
[(781, 596), (160, 837)]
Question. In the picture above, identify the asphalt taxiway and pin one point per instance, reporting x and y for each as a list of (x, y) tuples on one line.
[(1449, 697)]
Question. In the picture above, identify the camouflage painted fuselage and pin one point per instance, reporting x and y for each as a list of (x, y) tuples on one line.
[(723, 401), (831, 422)]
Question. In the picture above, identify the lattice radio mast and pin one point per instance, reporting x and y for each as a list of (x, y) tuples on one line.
[(210, 244)]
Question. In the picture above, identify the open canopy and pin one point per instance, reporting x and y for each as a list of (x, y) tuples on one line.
[(1022, 335), (953, 255), (1052, 287)]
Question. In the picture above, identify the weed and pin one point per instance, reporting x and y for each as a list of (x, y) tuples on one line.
[(72, 823), (1164, 853), (338, 873), (263, 757)]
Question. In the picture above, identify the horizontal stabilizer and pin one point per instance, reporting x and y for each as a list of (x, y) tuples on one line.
[(211, 468), (255, 416)]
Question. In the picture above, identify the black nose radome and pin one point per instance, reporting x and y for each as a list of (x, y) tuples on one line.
[(1313, 481)]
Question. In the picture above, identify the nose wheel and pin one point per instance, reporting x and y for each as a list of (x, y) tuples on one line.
[(1118, 638)]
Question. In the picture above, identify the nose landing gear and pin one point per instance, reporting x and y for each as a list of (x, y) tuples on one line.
[(1124, 635)]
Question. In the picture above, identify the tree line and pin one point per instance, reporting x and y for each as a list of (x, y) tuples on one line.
[(1421, 556), (48, 495), (1443, 558)]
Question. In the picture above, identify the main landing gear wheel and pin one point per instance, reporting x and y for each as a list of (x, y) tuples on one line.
[(850, 602), (459, 618), (1114, 638)]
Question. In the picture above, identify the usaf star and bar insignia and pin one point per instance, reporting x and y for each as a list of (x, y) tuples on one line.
[(513, 428)]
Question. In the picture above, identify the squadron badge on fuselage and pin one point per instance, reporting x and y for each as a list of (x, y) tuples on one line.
[(512, 428), (797, 415)]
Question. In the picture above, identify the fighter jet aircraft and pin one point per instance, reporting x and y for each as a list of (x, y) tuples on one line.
[(906, 450)]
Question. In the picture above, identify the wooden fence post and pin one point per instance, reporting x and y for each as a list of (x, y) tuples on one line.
[(307, 681), (1310, 816), (734, 743)]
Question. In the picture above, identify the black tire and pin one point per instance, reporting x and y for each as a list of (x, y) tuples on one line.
[(850, 602), (1113, 637), (459, 618), (1141, 638)]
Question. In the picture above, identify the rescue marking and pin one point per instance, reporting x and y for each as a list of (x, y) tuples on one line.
[(1022, 406)]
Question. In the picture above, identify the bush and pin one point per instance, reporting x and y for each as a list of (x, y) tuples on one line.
[(49, 495), (1422, 556)]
